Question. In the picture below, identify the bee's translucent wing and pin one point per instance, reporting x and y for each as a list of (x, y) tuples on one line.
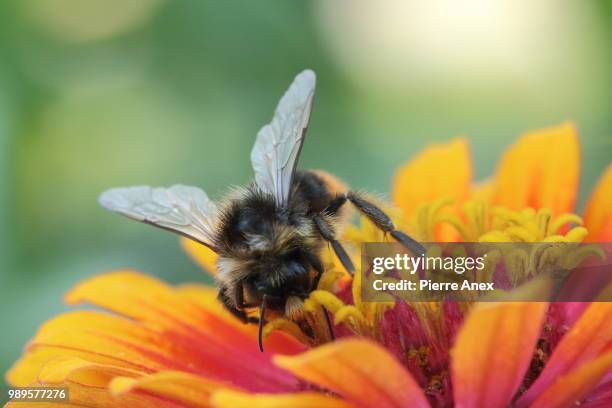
[(277, 148), (182, 209)]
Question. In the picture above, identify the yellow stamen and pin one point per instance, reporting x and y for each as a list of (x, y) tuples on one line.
[(287, 326), (482, 223)]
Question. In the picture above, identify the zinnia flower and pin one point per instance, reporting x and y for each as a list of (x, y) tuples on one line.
[(148, 344)]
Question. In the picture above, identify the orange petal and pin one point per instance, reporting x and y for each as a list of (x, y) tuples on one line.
[(569, 389), (176, 386), (137, 296), (146, 299), (439, 171), (27, 369), (167, 331), (211, 340), (64, 368), (361, 371), (112, 341), (234, 399), (201, 254), (540, 170), (598, 213), (586, 339), (205, 296), (492, 352), (73, 335)]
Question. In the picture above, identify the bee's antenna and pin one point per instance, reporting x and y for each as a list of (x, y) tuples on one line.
[(329, 324), (262, 313)]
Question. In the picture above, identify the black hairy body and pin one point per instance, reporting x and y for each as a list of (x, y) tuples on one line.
[(272, 251)]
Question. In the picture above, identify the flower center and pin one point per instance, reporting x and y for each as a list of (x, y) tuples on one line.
[(477, 221)]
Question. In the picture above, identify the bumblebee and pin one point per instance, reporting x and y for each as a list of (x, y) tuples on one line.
[(269, 234)]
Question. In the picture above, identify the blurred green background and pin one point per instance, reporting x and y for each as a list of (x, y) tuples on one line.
[(102, 93)]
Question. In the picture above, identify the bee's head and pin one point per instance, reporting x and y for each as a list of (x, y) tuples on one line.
[(277, 276), (281, 276)]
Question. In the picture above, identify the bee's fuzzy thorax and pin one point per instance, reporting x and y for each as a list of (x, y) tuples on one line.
[(251, 224)]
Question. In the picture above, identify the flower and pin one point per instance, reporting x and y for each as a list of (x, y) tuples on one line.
[(147, 344), (536, 180)]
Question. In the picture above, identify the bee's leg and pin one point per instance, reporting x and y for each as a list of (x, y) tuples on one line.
[(327, 232), (230, 306), (334, 205), (318, 267), (383, 221), (240, 296), (314, 261), (242, 304)]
